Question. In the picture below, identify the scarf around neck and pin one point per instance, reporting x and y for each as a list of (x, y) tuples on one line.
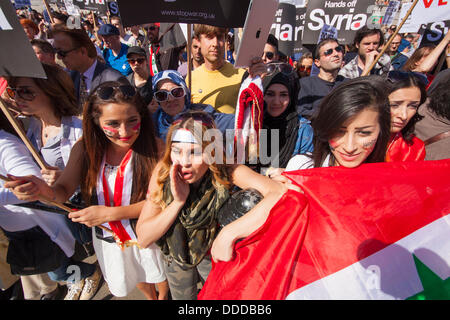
[(191, 235)]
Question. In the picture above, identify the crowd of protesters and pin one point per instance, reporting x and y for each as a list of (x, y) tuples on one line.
[(121, 122)]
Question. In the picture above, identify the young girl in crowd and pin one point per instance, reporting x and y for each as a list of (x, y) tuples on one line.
[(188, 187), (406, 93), (112, 163), (53, 130), (350, 129)]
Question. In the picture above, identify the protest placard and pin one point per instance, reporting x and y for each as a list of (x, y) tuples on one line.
[(221, 13), (347, 16), (17, 57)]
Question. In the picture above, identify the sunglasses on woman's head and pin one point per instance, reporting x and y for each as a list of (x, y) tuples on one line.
[(105, 93), (396, 75), (163, 95), (202, 117), (330, 51), (284, 68), (22, 92)]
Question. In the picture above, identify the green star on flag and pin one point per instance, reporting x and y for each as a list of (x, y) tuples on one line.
[(434, 288)]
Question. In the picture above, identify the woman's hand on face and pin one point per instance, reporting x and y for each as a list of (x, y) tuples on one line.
[(50, 175), (27, 188), (178, 186), (91, 216), (223, 247)]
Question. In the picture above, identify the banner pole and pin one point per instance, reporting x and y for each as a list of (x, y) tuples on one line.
[(386, 46), (188, 53), (22, 135), (48, 11)]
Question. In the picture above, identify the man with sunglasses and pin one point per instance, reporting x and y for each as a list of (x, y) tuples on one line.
[(159, 59), (328, 56), (140, 78), (270, 53), (368, 42), (79, 55)]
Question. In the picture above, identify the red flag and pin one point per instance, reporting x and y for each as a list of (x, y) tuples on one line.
[(345, 217)]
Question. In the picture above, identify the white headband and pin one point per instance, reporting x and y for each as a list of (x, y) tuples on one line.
[(183, 135)]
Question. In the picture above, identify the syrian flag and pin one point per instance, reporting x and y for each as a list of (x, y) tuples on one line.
[(379, 231)]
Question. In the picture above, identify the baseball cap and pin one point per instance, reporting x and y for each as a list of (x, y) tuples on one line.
[(136, 50), (108, 30)]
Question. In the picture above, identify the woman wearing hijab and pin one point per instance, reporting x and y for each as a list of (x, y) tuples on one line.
[(173, 97), (280, 113)]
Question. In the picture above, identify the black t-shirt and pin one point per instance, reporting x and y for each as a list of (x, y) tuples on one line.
[(312, 90), (145, 91)]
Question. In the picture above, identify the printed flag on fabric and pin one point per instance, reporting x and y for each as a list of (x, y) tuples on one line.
[(379, 231)]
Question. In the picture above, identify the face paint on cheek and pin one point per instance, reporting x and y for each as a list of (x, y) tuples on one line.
[(367, 145), (109, 131), (137, 127)]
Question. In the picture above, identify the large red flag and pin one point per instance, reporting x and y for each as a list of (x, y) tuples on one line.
[(363, 233)]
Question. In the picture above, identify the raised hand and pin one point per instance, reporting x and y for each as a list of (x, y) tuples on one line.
[(178, 186)]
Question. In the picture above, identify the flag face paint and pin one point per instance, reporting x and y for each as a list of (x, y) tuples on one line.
[(110, 131), (369, 145), (137, 127)]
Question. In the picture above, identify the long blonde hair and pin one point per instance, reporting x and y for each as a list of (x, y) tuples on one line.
[(220, 172)]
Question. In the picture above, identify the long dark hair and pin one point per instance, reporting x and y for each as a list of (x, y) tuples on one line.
[(401, 80), (58, 87), (345, 102), (145, 150)]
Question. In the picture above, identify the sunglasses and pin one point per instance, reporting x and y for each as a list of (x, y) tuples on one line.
[(152, 28), (269, 55), (283, 67), (163, 95), (21, 92), (138, 61), (203, 117), (63, 53), (105, 93), (395, 75), (305, 68), (329, 52)]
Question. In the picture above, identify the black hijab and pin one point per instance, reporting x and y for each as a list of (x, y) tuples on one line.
[(287, 123)]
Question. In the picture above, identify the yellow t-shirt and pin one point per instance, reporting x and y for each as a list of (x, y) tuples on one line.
[(219, 88)]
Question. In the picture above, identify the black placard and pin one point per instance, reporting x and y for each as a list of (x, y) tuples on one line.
[(347, 16), (221, 13)]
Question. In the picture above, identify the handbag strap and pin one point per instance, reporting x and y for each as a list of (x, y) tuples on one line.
[(437, 137)]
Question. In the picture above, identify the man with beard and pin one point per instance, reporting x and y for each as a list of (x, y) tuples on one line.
[(367, 41), (196, 57), (328, 56)]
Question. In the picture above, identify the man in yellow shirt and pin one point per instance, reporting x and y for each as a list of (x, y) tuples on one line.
[(216, 82)]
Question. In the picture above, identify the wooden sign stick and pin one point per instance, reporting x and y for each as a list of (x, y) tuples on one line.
[(386, 46), (22, 135), (55, 204)]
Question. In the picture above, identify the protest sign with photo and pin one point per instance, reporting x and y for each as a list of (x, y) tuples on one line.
[(17, 57), (391, 10), (98, 6), (221, 13), (347, 16)]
